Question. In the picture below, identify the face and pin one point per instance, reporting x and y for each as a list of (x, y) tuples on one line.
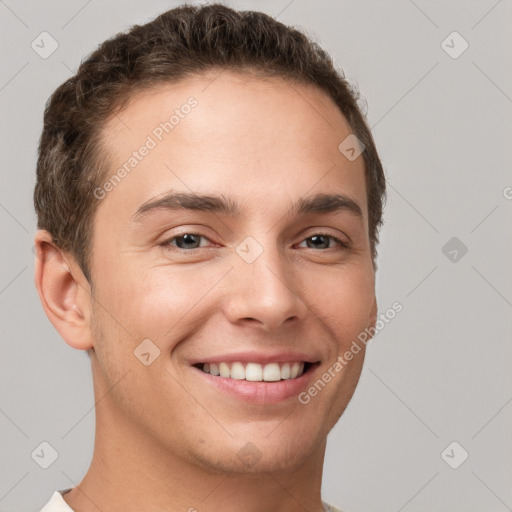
[(263, 278)]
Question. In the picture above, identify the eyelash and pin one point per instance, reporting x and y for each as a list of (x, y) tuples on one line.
[(166, 243)]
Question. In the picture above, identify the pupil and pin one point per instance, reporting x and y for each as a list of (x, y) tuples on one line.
[(188, 239), (316, 237)]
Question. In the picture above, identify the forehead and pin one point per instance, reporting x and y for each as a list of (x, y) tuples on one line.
[(265, 141)]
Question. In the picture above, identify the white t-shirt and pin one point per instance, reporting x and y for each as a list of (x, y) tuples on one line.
[(57, 504)]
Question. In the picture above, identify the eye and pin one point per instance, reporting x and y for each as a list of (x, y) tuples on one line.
[(185, 241), (192, 241), (321, 241)]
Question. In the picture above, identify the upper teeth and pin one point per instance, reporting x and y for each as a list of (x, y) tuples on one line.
[(271, 372)]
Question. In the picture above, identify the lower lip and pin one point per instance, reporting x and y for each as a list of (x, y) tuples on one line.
[(260, 392)]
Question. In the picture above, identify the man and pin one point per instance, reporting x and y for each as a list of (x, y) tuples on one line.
[(209, 198)]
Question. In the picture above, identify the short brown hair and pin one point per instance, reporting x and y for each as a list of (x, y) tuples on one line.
[(181, 42)]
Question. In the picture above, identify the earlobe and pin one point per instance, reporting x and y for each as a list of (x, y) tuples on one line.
[(64, 292)]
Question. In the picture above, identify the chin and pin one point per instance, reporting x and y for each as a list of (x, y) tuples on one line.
[(262, 452), (266, 461)]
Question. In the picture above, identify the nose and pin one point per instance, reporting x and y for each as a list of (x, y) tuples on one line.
[(265, 293)]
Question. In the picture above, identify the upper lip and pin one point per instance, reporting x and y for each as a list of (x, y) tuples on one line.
[(257, 357)]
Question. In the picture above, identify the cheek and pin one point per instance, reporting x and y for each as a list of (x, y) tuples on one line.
[(343, 300), (161, 302)]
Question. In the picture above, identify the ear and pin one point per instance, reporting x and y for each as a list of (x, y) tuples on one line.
[(64, 292)]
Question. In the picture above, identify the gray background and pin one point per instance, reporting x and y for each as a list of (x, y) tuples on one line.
[(439, 372)]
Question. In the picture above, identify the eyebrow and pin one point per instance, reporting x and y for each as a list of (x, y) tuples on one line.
[(319, 203)]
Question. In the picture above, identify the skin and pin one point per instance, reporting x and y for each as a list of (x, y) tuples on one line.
[(164, 439)]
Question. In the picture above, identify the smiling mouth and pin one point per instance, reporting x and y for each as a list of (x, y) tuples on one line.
[(255, 372)]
